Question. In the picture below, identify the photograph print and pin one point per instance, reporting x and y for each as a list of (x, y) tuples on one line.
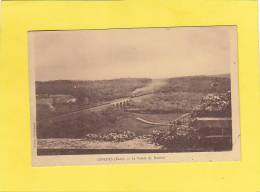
[(138, 91)]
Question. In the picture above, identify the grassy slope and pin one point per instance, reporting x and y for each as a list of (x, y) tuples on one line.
[(95, 91), (183, 93), (202, 84)]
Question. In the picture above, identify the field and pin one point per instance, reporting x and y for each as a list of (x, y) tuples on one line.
[(91, 110)]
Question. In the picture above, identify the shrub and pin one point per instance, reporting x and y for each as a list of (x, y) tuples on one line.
[(178, 137), (214, 105), (114, 136)]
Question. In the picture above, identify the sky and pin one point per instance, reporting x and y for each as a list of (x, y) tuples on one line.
[(131, 53)]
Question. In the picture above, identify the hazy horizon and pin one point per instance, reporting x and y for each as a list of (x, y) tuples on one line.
[(154, 53), (210, 75)]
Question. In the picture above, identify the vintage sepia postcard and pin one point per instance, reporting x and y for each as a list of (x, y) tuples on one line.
[(134, 95)]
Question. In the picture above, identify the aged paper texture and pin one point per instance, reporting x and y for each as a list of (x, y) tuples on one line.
[(134, 95)]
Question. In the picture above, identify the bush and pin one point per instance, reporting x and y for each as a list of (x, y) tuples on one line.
[(214, 105), (114, 136), (178, 137)]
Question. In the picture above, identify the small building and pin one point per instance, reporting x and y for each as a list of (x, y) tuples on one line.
[(55, 99)]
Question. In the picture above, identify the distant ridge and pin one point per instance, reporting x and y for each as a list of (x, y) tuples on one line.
[(136, 78)]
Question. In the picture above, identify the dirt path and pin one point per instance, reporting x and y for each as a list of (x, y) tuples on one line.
[(152, 123), (63, 143)]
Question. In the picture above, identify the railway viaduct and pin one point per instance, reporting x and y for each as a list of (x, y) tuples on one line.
[(121, 103)]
